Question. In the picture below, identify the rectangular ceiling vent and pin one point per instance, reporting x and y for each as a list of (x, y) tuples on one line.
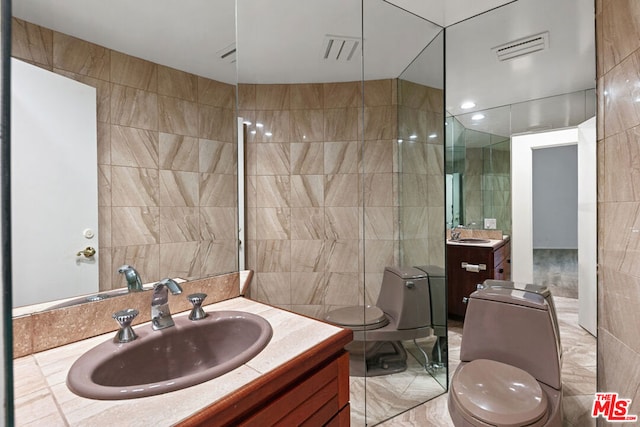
[(228, 54), (523, 46), (340, 48)]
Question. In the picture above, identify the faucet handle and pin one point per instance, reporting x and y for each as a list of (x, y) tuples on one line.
[(124, 319), (197, 313)]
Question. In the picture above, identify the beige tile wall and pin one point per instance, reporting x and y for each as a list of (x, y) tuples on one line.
[(167, 183), (309, 176), (166, 158), (421, 174), (473, 206), (618, 65), (496, 187)]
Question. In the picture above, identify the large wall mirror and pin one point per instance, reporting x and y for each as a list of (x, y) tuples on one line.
[(354, 158), (163, 146), (343, 107), (519, 78), (483, 171)]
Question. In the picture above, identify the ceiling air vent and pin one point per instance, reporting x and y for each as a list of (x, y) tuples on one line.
[(340, 48), (523, 46), (228, 54)]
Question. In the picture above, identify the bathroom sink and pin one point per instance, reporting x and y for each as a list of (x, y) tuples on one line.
[(189, 353), (471, 240)]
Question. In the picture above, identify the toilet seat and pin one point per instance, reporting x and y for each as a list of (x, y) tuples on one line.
[(494, 393), (358, 318)]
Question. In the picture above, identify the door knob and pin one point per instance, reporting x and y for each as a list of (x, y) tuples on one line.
[(87, 252)]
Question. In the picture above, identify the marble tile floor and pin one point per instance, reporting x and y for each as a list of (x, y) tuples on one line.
[(578, 375), (389, 395)]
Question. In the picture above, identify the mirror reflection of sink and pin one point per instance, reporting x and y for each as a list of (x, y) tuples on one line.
[(471, 240), (189, 353)]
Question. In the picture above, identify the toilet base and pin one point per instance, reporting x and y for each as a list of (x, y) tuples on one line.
[(371, 359)]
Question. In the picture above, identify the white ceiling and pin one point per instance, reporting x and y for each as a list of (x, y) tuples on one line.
[(180, 34), (474, 72), (280, 41), (448, 12)]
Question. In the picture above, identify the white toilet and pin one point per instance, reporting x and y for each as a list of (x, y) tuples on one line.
[(509, 372), (402, 312)]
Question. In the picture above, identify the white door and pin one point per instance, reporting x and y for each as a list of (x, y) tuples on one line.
[(522, 242), (522, 147), (587, 226), (54, 185)]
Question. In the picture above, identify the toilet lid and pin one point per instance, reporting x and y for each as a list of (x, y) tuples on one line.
[(498, 394), (369, 317)]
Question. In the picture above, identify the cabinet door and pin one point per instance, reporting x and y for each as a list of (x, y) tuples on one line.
[(461, 282)]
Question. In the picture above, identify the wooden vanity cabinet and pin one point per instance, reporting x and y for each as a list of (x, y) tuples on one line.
[(310, 390), (461, 283)]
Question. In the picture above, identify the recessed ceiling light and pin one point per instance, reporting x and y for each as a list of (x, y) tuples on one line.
[(400, 140), (477, 117), (433, 135), (259, 125), (253, 132), (414, 136), (247, 122), (467, 104), (268, 133)]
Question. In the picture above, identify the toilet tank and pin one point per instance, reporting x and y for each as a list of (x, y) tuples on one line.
[(404, 296), (513, 327), (438, 294)]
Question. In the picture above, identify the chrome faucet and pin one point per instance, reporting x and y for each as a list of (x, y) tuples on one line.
[(160, 313), (455, 235), (134, 284)]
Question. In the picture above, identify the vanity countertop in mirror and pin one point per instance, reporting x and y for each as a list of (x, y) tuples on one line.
[(42, 396), (482, 243)]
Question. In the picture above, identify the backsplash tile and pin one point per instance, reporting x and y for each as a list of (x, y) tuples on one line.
[(75, 323)]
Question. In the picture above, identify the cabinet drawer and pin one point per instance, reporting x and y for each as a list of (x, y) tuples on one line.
[(502, 254), (314, 401)]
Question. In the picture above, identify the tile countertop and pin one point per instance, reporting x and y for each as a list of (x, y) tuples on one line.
[(42, 397)]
